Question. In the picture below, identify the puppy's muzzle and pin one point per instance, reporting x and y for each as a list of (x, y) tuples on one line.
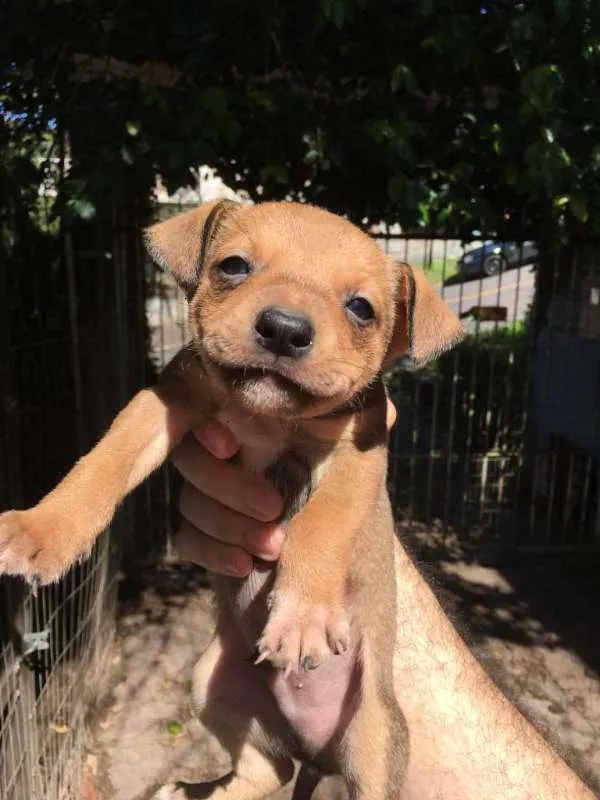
[(284, 333)]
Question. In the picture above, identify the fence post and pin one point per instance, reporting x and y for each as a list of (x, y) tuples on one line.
[(74, 332)]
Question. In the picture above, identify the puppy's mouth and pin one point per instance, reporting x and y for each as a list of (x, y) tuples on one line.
[(274, 385), (267, 376)]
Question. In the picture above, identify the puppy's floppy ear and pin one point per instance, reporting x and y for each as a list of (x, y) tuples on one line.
[(180, 244), (425, 326)]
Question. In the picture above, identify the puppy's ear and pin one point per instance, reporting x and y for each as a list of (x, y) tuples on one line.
[(181, 244), (424, 326)]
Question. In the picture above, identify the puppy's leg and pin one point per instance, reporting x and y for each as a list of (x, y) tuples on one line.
[(375, 747), (42, 542), (235, 705), (255, 777), (306, 783), (308, 620), (375, 753)]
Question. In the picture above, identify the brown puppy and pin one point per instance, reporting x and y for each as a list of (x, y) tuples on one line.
[(294, 314)]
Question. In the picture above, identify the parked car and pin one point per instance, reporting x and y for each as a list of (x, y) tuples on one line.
[(491, 258)]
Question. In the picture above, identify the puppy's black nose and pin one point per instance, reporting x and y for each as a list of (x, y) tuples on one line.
[(284, 333)]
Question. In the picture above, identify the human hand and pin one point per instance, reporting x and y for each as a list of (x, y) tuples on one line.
[(228, 513)]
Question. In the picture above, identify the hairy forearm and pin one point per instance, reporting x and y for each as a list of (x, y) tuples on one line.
[(466, 740)]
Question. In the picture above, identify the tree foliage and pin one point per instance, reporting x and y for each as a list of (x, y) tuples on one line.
[(459, 114)]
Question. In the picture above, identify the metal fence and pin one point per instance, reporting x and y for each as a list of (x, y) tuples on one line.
[(497, 443), (71, 351)]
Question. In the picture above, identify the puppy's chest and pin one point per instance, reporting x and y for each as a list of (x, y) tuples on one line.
[(270, 448)]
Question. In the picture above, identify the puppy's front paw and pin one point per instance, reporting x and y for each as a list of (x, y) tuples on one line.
[(301, 634), (27, 548)]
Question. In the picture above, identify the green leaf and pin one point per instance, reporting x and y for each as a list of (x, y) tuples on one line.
[(175, 729), (579, 208), (563, 156), (83, 208), (403, 78), (59, 728), (563, 10), (539, 86), (261, 98), (337, 11)]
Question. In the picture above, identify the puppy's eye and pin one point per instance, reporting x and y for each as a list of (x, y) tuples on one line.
[(234, 267), (361, 310)]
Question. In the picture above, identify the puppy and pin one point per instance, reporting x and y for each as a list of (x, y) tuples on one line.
[(294, 314)]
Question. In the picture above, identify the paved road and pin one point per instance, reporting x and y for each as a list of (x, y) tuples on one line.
[(513, 289)]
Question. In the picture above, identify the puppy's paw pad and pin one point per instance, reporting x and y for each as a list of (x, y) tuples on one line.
[(24, 549), (302, 635)]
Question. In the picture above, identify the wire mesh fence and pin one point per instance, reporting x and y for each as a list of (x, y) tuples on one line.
[(497, 442), (67, 361), (52, 643)]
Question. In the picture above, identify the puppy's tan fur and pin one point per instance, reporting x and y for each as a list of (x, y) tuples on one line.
[(321, 687)]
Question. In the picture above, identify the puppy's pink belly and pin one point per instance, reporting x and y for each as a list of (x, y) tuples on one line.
[(320, 709), (319, 704)]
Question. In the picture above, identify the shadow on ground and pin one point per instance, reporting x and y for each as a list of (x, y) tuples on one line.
[(453, 280)]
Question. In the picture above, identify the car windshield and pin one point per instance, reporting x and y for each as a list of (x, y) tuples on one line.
[(473, 247)]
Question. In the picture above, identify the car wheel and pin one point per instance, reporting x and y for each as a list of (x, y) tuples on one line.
[(493, 264)]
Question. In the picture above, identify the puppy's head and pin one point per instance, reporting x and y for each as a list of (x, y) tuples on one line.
[(294, 310)]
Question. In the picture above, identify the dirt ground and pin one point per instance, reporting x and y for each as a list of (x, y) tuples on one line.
[(534, 623)]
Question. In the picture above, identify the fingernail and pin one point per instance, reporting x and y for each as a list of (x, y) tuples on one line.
[(265, 542), (263, 502), (215, 438)]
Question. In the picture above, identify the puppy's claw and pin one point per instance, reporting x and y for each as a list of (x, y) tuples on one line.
[(303, 635), (308, 663), (271, 600), (340, 646), (262, 656)]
